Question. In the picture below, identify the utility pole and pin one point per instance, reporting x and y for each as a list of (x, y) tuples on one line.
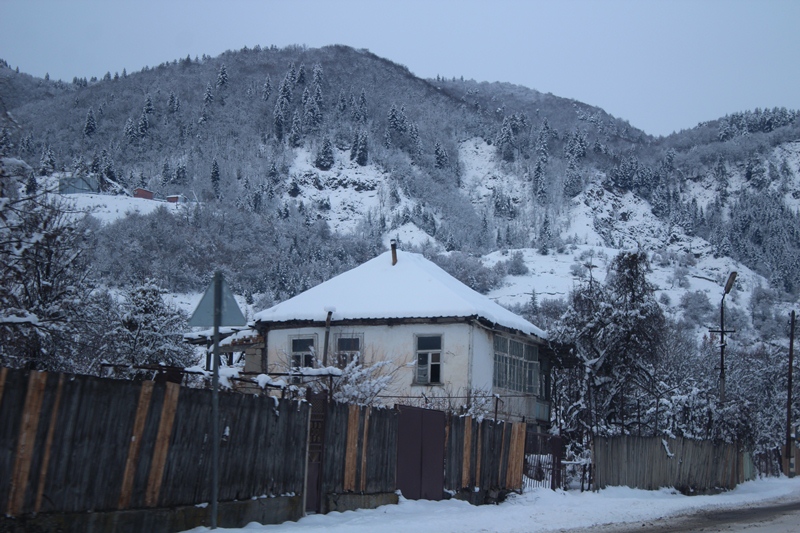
[(789, 448), (217, 308), (722, 331)]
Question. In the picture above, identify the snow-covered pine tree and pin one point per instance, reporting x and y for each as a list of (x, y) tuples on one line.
[(296, 133), (222, 77), (90, 126), (324, 159), (215, 178), (208, 96), (266, 89), (440, 154), (151, 332)]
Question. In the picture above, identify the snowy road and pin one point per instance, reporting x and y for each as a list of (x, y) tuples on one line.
[(616, 509), (772, 518)]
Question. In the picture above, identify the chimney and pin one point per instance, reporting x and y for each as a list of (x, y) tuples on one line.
[(394, 252)]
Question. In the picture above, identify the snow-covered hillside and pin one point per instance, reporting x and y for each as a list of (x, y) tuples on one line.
[(597, 226)]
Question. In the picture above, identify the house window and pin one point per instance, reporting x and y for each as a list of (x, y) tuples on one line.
[(516, 365), (303, 351), (429, 359), (348, 347)]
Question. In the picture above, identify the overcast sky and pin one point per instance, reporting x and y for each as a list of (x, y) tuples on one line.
[(661, 65)]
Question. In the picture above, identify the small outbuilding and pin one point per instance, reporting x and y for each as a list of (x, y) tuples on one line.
[(139, 192)]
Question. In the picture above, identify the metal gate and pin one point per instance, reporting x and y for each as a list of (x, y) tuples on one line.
[(420, 453), (543, 460)]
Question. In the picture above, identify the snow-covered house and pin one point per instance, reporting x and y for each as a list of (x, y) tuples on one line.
[(445, 339)]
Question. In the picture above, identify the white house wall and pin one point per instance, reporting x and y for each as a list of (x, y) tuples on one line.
[(395, 343), (467, 360), (483, 362)]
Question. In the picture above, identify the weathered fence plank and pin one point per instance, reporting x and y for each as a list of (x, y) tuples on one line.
[(25, 445), (352, 449), (48, 445), (162, 444), (135, 444), (80, 443), (651, 462)]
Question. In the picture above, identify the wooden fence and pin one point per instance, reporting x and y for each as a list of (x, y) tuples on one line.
[(651, 462), (360, 450), (487, 455), (81, 443), (71, 444)]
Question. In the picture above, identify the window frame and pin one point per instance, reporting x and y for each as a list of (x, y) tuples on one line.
[(305, 356), (433, 360), (516, 365), (342, 358)]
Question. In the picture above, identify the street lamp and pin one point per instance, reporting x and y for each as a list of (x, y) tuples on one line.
[(728, 287)]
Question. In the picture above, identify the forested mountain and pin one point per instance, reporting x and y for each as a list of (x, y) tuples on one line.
[(229, 129), (299, 163)]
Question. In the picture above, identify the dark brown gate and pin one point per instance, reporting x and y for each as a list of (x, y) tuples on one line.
[(316, 444), (420, 453)]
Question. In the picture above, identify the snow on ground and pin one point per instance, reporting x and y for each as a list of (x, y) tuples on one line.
[(350, 190), (537, 510), (481, 175), (409, 235), (108, 208)]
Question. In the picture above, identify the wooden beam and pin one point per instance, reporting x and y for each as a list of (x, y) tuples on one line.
[(478, 456), (466, 453), (26, 442), (351, 450), (135, 446), (516, 457), (51, 430), (162, 444), (364, 448)]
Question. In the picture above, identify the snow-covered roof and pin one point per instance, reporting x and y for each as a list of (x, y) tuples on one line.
[(413, 288)]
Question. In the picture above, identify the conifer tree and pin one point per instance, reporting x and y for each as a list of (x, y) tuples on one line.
[(266, 89), (215, 178), (90, 126), (360, 112), (316, 75), (296, 134), (279, 118), (152, 331), (173, 104), (144, 126), (148, 104), (324, 159), (291, 74), (442, 159), (272, 174), (130, 131), (362, 149), (416, 142), (505, 141), (180, 174), (208, 97), (47, 163), (31, 186), (285, 90), (166, 173), (222, 77), (312, 117)]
